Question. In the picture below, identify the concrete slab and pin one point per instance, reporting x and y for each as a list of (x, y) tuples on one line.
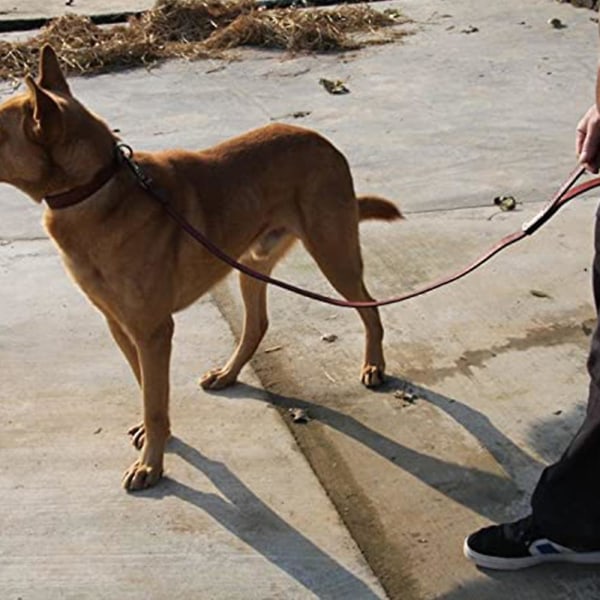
[(500, 383), (35, 9), (443, 123), (240, 515)]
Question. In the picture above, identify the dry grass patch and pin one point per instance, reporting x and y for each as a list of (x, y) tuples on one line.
[(197, 29)]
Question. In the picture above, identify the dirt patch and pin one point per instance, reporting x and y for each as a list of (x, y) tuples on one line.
[(556, 334), (194, 29)]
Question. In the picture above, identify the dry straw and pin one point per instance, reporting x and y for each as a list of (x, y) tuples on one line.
[(196, 29)]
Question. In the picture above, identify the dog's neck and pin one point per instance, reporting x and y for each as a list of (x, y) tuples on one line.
[(81, 193)]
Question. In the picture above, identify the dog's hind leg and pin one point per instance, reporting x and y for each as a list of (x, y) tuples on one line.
[(340, 260), (262, 257), (154, 351)]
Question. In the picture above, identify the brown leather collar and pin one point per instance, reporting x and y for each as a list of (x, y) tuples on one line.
[(81, 193)]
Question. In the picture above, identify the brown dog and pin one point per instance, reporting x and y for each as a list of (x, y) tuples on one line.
[(253, 196)]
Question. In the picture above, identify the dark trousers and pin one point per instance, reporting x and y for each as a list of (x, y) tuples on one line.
[(566, 500)]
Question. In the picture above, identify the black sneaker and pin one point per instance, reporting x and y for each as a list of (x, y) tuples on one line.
[(518, 545)]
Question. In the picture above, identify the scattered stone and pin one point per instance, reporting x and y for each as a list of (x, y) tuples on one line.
[(329, 337), (556, 23), (408, 398), (98, 431), (334, 87), (299, 415), (557, 412), (299, 114), (393, 13), (505, 203), (539, 294), (469, 29)]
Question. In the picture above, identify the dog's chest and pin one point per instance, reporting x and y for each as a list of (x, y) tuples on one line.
[(89, 277), (90, 266)]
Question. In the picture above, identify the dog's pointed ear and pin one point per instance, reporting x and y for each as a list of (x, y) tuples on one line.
[(50, 74), (46, 117)]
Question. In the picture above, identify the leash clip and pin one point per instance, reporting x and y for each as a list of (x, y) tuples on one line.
[(125, 154)]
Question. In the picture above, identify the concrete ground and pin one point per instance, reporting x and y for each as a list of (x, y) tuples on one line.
[(34, 9), (259, 507)]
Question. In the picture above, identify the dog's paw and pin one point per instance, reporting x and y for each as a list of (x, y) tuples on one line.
[(371, 376), (137, 433), (217, 379), (141, 476)]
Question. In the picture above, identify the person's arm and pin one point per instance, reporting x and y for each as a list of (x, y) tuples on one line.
[(587, 142)]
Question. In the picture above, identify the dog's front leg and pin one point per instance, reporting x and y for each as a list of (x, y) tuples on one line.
[(127, 347), (154, 352)]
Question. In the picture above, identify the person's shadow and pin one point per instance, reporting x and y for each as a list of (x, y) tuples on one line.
[(243, 514)]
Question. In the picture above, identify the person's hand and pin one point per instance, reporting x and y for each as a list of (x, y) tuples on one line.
[(587, 143)]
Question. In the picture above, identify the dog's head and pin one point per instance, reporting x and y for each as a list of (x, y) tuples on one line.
[(49, 142)]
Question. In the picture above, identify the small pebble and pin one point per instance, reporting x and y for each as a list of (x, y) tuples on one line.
[(556, 23), (299, 415), (329, 337)]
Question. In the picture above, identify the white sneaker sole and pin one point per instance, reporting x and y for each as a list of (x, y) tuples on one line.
[(513, 564)]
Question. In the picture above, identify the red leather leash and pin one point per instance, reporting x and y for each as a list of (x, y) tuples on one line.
[(566, 193)]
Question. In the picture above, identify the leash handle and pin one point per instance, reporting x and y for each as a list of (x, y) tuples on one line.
[(566, 193)]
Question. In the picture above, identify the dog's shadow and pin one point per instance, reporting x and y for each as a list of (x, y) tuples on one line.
[(248, 518), (242, 513), (487, 493)]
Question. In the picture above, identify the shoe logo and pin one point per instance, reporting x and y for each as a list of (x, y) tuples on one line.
[(544, 548)]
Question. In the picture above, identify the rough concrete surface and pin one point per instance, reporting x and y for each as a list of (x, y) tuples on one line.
[(240, 514), (34, 9), (442, 123)]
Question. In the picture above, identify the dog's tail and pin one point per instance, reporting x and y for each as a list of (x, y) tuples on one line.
[(372, 207)]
